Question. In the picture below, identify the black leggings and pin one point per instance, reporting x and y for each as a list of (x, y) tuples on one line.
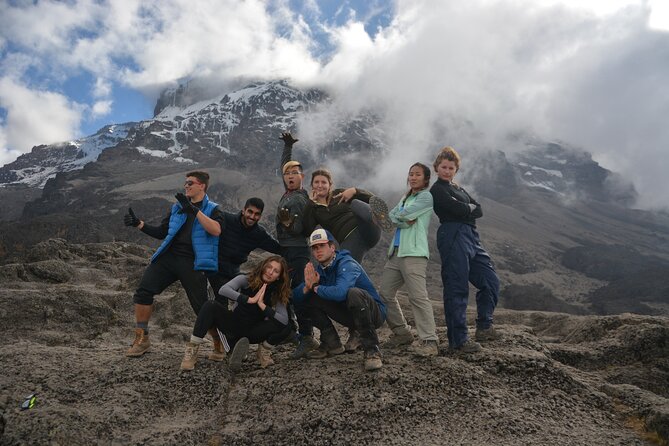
[(235, 327)]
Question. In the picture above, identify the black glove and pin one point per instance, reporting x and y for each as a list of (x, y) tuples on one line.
[(186, 205), (130, 219), (285, 218), (288, 139)]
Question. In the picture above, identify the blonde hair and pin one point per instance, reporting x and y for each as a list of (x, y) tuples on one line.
[(450, 154), (323, 172)]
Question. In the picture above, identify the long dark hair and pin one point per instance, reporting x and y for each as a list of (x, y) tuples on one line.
[(426, 175), (281, 286)]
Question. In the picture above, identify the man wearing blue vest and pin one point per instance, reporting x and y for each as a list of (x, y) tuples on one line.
[(189, 249)]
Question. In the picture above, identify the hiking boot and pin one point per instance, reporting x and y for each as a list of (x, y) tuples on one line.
[(353, 342), (380, 213), (323, 351), (373, 360), (219, 352), (140, 345), (398, 340), (238, 354), (468, 347), (426, 348), (306, 345), (292, 338), (190, 356), (264, 355), (487, 334)]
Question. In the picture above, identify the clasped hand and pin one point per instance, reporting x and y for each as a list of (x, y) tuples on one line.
[(259, 298), (311, 277)]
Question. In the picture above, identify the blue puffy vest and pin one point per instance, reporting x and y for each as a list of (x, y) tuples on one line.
[(205, 245)]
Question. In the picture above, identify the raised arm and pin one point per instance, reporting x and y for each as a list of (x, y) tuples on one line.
[(287, 154)]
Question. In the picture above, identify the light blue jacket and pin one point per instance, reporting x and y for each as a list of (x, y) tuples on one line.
[(413, 238)]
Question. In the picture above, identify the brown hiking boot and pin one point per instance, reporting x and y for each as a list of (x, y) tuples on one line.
[(353, 342), (469, 346), (425, 348), (306, 345), (140, 345), (487, 334), (219, 352), (380, 212), (264, 355), (323, 351), (190, 356), (373, 360), (398, 340)]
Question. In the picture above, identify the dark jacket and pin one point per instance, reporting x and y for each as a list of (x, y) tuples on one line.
[(451, 204), (237, 241), (338, 218), (294, 201)]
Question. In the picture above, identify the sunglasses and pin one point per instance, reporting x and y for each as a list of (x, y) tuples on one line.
[(190, 183)]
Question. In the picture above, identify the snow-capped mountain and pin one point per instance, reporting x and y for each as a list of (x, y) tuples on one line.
[(45, 161)]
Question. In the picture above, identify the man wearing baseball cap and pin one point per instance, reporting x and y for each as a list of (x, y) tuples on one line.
[(339, 289)]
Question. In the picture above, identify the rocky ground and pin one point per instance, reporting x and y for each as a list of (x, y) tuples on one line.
[(66, 320)]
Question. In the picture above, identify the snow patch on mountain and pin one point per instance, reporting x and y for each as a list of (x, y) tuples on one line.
[(44, 162)]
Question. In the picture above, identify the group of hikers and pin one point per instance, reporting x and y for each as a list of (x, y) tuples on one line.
[(286, 295)]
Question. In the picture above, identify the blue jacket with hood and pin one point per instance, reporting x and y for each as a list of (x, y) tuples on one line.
[(337, 278)]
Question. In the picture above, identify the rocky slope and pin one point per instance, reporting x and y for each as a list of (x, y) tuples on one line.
[(554, 379)]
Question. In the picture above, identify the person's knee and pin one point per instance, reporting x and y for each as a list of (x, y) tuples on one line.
[(356, 298), (143, 297)]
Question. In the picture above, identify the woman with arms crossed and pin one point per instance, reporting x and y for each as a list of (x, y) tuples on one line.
[(463, 259), (407, 265)]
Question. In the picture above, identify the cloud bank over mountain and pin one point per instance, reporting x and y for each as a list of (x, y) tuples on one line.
[(474, 75)]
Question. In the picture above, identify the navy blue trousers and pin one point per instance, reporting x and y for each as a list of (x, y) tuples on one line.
[(463, 260)]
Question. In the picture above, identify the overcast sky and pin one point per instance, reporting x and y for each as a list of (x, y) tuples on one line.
[(594, 74)]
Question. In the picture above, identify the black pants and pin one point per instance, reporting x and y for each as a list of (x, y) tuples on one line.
[(217, 280), (166, 270), (297, 258), (235, 327), (359, 312)]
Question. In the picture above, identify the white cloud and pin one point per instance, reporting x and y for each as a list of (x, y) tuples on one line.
[(470, 74), (444, 72), (35, 117), (102, 88), (659, 15), (101, 108)]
